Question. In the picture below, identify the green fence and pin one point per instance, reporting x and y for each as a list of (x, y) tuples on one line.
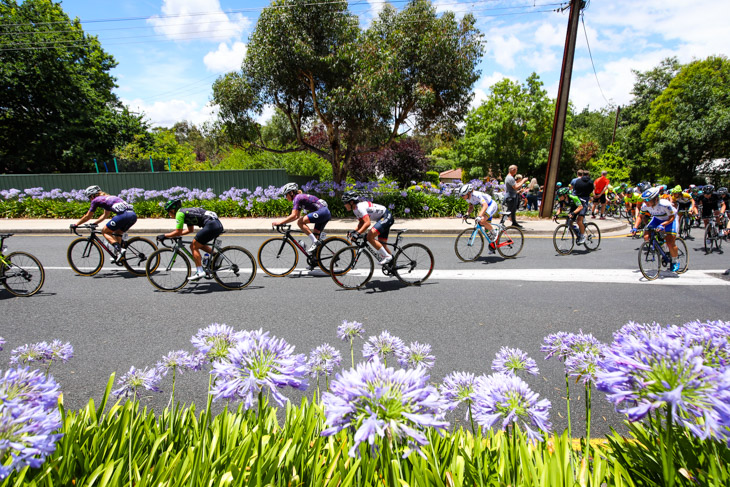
[(113, 183)]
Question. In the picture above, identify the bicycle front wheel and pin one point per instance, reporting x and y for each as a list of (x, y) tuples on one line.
[(469, 245), (686, 227), (709, 238), (563, 239), (593, 236), (85, 256), (234, 267), (138, 251), (25, 275), (682, 256), (171, 272), (650, 261), (413, 264), (510, 242), (352, 267), (328, 249), (278, 257)]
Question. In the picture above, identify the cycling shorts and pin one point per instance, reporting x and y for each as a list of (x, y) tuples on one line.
[(382, 227), (210, 231), (584, 204), (684, 206), (671, 229), (600, 199), (122, 222), (491, 210), (320, 218)]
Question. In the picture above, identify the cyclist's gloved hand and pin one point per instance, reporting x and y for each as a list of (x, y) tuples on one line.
[(478, 219), (355, 235), (161, 237), (73, 226)]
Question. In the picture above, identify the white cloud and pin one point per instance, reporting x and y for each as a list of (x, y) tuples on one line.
[(167, 113), (505, 50), (548, 35), (197, 19), (225, 58), (481, 91)]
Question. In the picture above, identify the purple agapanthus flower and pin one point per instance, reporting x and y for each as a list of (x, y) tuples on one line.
[(564, 344), (584, 366), (179, 360), (29, 416), (135, 380), (407, 210), (259, 363), (216, 340), (39, 353), (712, 336), (513, 360), (2, 342), (508, 399), (374, 401), (416, 355), (382, 346), (348, 330), (323, 360), (61, 351), (457, 388)]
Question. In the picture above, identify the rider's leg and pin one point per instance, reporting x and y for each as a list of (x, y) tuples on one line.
[(302, 223)]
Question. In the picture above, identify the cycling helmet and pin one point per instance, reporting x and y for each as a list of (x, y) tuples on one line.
[(641, 187), (722, 191), (559, 185), (348, 196), (465, 190), (91, 191), (708, 189), (563, 191), (173, 205), (676, 189), (650, 194), (289, 187), (692, 186)]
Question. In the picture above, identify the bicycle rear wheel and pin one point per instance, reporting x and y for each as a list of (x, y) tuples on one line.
[(709, 238), (85, 256), (171, 272), (234, 267), (685, 227), (352, 267), (25, 275), (469, 245), (278, 257), (593, 236), (138, 251), (413, 264), (510, 242), (650, 261), (563, 239), (328, 249), (682, 255)]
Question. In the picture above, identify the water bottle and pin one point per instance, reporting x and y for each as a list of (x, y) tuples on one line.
[(125, 237), (206, 259), (322, 236), (301, 243)]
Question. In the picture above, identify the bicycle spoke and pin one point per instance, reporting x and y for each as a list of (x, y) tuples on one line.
[(278, 257), (469, 245), (413, 263), (234, 268), (352, 267), (172, 270), (25, 276)]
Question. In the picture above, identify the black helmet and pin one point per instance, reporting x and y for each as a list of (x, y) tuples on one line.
[(173, 205), (722, 191), (348, 196), (708, 189), (563, 191)]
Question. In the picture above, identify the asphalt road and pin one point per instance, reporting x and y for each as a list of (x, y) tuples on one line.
[(115, 321)]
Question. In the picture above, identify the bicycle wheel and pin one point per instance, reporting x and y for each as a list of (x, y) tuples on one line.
[(469, 245), (593, 236), (329, 248), (171, 272), (563, 239), (682, 256), (25, 275), (138, 251), (278, 257), (510, 242), (413, 264), (709, 238), (234, 267), (650, 261), (352, 267), (85, 256)]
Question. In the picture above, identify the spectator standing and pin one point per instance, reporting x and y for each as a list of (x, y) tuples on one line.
[(532, 193), (599, 195), (583, 187), (512, 197)]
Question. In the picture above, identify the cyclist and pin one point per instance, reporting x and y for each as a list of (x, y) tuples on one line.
[(683, 201), (366, 212), (487, 208), (122, 221), (317, 213), (211, 228), (723, 194), (577, 210), (664, 218), (712, 202)]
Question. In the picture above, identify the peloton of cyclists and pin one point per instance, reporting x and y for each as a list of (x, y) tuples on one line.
[(317, 213), (367, 212)]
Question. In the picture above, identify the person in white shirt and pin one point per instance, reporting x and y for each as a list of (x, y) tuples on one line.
[(487, 207), (367, 212)]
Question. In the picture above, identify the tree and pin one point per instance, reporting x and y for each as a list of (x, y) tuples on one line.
[(403, 161), (595, 125), (611, 161), (161, 144), (57, 109), (689, 121), (314, 63)]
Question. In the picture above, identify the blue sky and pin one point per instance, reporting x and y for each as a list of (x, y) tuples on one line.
[(171, 51)]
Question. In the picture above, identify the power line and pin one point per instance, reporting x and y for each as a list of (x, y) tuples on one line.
[(591, 56)]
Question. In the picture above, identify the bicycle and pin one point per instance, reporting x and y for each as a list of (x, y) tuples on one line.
[(353, 266), (469, 244), (713, 240), (654, 254), (20, 272), (278, 256), (86, 258), (565, 236), (685, 225), (168, 268)]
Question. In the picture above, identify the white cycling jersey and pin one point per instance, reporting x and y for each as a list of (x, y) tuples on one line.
[(478, 198), (663, 210), (373, 210)]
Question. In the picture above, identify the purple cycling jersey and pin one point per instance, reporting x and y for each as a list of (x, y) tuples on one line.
[(110, 203), (308, 202)]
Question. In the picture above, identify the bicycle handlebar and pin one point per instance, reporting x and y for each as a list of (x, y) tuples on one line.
[(283, 229), (174, 239), (75, 228)]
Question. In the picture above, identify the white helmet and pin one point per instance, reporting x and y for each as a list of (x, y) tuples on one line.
[(289, 187), (91, 191), (651, 193), (465, 190)]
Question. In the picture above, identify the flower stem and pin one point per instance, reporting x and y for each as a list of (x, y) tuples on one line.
[(567, 396), (667, 449), (259, 467), (471, 418), (588, 421), (352, 354)]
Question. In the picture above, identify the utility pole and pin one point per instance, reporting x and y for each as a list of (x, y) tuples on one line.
[(561, 109), (615, 124)]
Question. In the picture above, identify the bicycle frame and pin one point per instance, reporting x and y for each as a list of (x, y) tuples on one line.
[(286, 231), (179, 247), (655, 244), (94, 237), (478, 228)]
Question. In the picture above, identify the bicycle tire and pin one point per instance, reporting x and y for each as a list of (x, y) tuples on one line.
[(278, 251), (413, 264), (510, 242), (682, 255), (593, 236), (25, 276), (352, 267), (328, 249), (708, 239), (650, 261), (563, 239), (172, 271), (138, 251), (85, 256), (469, 249), (234, 267)]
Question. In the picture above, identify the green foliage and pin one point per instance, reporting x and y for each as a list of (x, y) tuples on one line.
[(432, 177), (161, 144), (298, 163), (611, 161)]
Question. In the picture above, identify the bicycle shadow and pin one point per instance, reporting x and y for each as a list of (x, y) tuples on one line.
[(378, 286), (114, 274), (662, 275), (5, 295), (202, 288)]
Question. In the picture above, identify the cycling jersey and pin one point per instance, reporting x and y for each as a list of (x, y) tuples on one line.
[(663, 210), (110, 203), (632, 198), (308, 202), (478, 198), (681, 198), (573, 203), (193, 216), (373, 210)]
